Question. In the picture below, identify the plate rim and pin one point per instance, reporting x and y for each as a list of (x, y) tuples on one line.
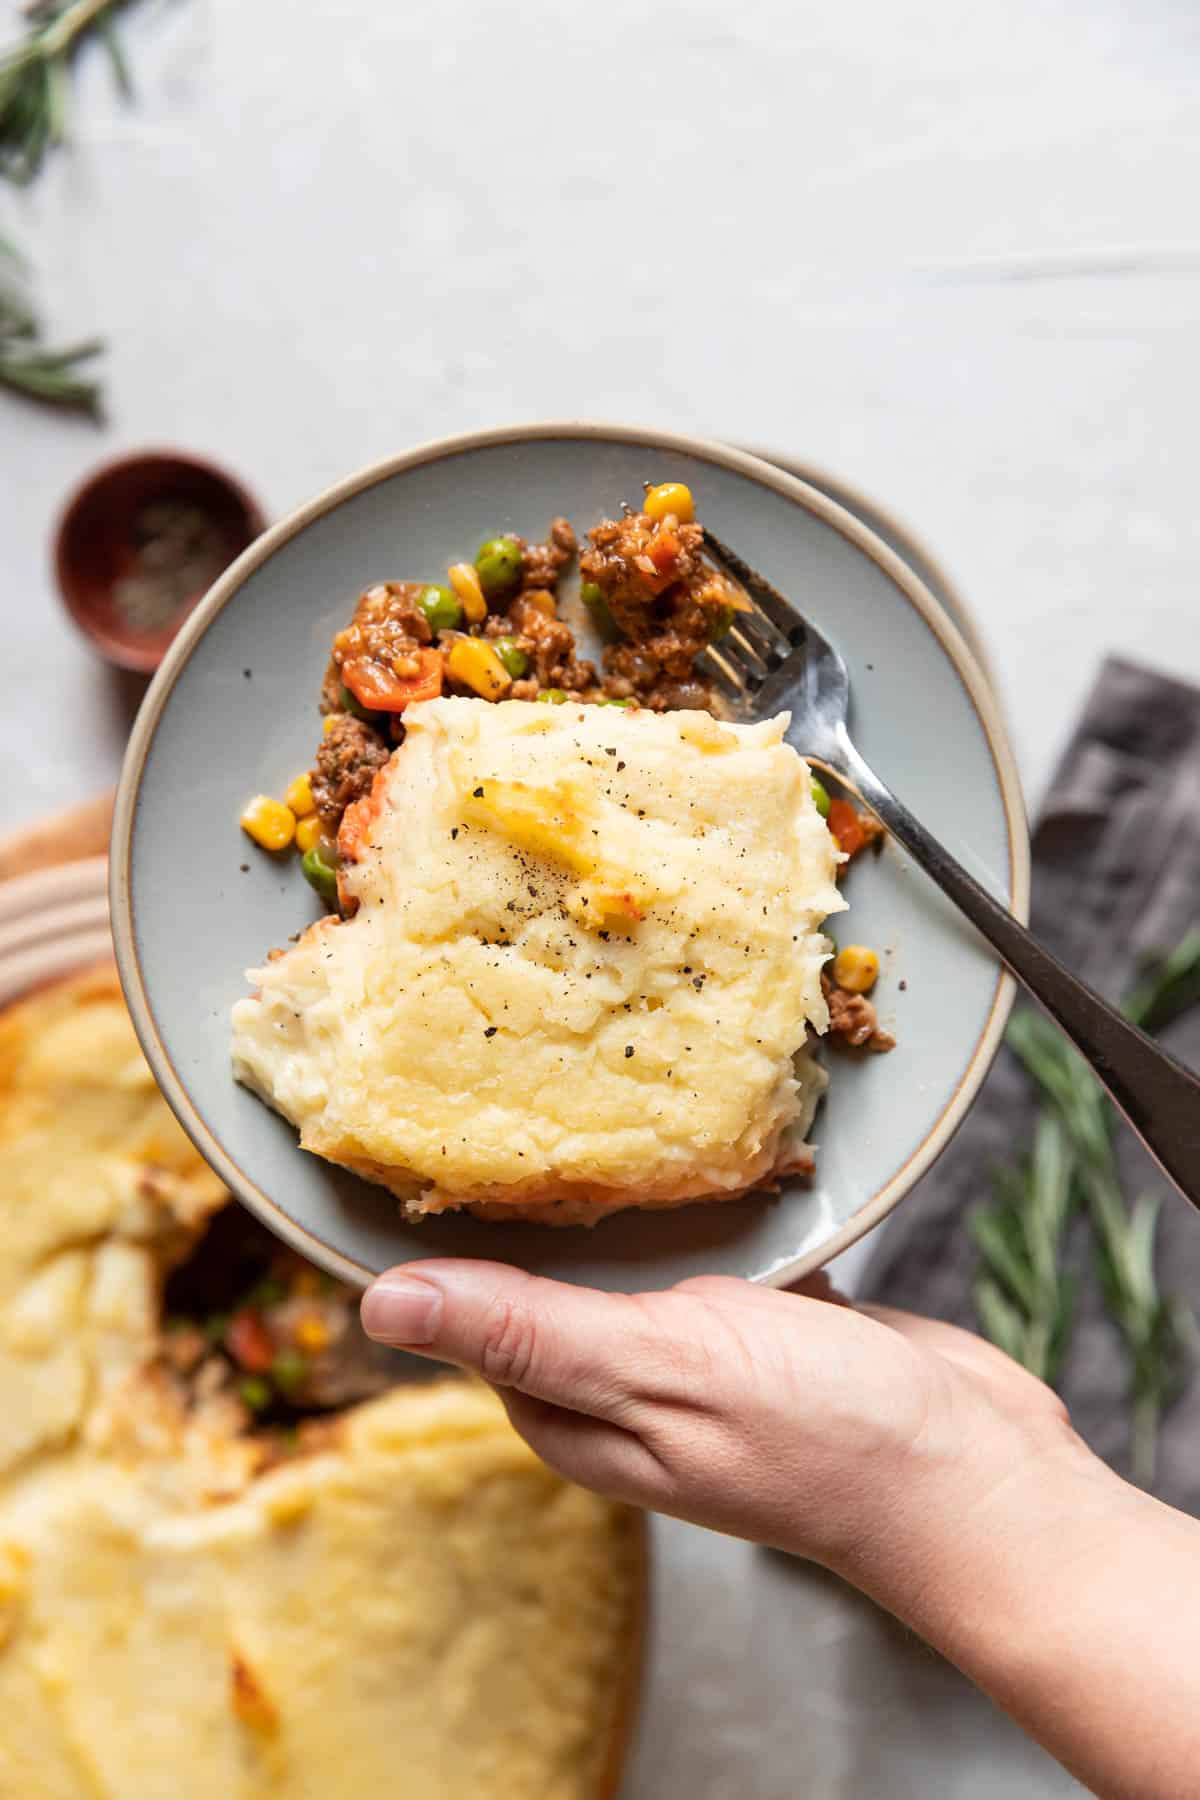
[(860, 503), (741, 462)]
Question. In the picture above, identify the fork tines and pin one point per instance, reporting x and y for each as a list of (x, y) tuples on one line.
[(760, 640)]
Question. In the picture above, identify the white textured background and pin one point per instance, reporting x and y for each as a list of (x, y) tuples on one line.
[(950, 251)]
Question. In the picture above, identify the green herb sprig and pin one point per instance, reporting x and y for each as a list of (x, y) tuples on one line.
[(1025, 1290), (35, 89), (35, 78), (29, 367)]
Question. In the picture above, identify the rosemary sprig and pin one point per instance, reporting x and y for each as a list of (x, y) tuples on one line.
[(28, 367), (1023, 1297), (1167, 988), (1024, 1292), (35, 79)]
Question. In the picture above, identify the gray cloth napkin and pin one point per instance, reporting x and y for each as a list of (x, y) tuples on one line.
[(1116, 878)]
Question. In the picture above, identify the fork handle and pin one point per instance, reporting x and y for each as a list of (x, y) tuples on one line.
[(1156, 1094)]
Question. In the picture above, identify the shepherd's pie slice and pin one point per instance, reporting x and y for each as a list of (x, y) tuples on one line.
[(580, 974)]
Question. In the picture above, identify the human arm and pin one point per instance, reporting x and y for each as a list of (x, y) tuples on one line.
[(909, 1457)]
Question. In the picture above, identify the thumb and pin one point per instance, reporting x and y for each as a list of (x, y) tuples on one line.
[(573, 1347)]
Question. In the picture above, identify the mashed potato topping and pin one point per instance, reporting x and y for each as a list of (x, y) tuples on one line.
[(581, 972), (418, 1607)]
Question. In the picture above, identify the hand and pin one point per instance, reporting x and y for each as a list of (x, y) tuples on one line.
[(860, 1439), (910, 1457)]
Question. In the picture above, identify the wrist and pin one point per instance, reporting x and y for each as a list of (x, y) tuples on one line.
[(972, 1560)]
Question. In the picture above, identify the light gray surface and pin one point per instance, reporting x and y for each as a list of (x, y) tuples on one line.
[(252, 659), (969, 281)]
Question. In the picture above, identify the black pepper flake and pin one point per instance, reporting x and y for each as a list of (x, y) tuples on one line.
[(245, 868), (698, 983), (477, 793), (620, 766), (629, 1049), (454, 831), (491, 1030), (609, 752), (603, 936), (903, 986), (247, 673)]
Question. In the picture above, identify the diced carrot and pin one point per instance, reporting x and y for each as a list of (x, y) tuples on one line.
[(380, 689), (663, 550), (249, 1342), (846, 827)]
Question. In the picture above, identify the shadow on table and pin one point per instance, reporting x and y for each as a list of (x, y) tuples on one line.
[(908, 1724), (127, 690)]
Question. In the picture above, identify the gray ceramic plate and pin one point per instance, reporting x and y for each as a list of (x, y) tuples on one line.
[(232, 710)]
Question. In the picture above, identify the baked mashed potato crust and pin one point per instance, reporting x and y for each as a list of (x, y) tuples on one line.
[(581, 972), (422, 1608)]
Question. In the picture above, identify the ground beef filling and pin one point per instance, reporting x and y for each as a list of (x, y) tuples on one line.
[(349, 756), (853, 1022), (666, 602), (285, 1356), (543, 564)]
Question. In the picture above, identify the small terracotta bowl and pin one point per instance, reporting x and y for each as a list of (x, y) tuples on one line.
[(95, 544)]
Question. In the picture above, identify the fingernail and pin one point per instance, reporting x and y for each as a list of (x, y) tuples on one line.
[(401, 1309)]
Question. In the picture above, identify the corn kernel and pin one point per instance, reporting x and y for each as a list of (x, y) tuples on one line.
[(308, 833), (541, 600), (269, 822), (464, 579), (670, 498), (331, 720), (311, 1334), (286, 1506), (300, 797), (856, 969), (477, 666)]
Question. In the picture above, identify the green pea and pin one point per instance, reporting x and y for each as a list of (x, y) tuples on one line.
[(216, 1327), (720, 623), (319, 874), (441, 606), (288, 1371), (255, 1393), (598, 611), (498, 566), (554, 696), (616, 702), (349, 704), (268, 1292), (512, 656), (821, 797)]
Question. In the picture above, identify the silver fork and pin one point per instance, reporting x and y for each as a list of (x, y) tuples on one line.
[(773, 658)]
